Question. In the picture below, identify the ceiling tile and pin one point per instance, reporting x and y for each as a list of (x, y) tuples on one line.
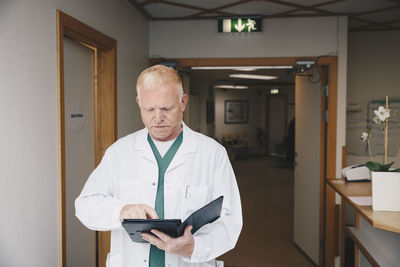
[(257, 8), (209, 4), (304, 12), (356, 6), (383, 16), (306, 2), (356, 23), (211, 15), (160, 10)]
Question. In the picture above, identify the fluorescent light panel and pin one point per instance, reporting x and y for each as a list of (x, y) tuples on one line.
[(245, 68), (252, 76), (225, 86)]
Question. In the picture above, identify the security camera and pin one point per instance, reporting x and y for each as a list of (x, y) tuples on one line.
[(305, 63), (301, 66)]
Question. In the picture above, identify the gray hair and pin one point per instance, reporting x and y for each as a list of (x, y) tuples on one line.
[(156, 76)]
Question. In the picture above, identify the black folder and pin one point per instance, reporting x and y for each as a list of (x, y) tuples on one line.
[(174, 227)]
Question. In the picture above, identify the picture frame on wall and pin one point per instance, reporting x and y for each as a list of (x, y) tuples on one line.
[(236, 111)]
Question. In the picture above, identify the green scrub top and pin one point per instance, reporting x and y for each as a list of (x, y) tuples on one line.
[(157, 256)]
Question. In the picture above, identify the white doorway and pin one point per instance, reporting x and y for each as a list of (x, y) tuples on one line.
[(307, 166)]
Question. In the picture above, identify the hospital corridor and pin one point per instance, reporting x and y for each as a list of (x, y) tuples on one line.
[(266, 188)]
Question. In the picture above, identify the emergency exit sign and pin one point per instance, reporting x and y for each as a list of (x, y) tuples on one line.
[(239, 25)]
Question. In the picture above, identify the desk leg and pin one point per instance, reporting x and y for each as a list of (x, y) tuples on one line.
[(357, 226), (342, 233)]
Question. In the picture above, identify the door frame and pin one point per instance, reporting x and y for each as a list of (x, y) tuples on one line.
[(328, 135), (105, 114)]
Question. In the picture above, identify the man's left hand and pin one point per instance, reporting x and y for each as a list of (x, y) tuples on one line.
[(182, 245)]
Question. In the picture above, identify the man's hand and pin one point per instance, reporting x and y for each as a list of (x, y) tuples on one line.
[(137, 211), (182, 245)]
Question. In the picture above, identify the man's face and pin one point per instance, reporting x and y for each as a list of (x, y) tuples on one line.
[(162, 112)]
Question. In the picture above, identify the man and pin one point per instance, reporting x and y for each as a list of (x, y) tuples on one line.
[(165, 171)]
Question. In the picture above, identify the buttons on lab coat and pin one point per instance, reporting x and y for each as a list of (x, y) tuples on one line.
[(153, 183)]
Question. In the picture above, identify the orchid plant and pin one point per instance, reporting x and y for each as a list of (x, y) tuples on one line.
[(382, 121)]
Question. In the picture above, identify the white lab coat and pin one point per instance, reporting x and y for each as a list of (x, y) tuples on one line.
[(128, 174)]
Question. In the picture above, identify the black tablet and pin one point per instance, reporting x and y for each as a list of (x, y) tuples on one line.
[(174, 227), (135, 227)]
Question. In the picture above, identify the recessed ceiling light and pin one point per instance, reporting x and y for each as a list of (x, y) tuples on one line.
[(274, 91), (246, 68), (252, 76), (225, 86)]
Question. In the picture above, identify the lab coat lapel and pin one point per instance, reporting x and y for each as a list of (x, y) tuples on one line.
[(188, 146), (143, 145)]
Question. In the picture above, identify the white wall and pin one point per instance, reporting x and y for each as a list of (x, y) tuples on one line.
[(280, 38), (375, 80), (295, 37), (256, 112), (29, 181)]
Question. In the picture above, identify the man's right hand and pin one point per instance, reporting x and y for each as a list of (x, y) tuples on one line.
[(137, 211)]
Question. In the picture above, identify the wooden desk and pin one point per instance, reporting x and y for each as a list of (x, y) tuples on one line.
[(389, 221)]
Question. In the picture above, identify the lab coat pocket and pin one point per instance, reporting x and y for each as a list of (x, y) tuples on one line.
[(195, 197), (113, 260), (129, 191)]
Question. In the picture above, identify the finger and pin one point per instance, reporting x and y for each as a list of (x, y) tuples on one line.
[(164, 237), (141, 214), (152, 214), (154, 240), (188, 231)]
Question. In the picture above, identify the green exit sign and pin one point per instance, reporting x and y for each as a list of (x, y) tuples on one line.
[(239, 24)]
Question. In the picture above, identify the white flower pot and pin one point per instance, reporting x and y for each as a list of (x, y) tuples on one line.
[(386, 191)]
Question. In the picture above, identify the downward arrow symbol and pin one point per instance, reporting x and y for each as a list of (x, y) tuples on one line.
[(239, 26)]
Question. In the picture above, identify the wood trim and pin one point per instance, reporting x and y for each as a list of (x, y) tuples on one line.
[(337, 229), (357, 226), (330, 198), (105, 86), (81, 32), (322, 171), (61, 137), (202, 62), (342, 235)]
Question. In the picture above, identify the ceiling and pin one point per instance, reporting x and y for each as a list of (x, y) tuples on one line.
[(221, 77), (364, 15)]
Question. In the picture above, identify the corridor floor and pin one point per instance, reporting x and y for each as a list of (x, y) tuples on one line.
[(266, 190)]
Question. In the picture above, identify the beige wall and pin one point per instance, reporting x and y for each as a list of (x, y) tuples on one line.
[(256, 112), (29, 182), (373, 73)]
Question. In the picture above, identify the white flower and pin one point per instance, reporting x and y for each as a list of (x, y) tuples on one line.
[(364, 136), (382, 113), (376, 120)]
